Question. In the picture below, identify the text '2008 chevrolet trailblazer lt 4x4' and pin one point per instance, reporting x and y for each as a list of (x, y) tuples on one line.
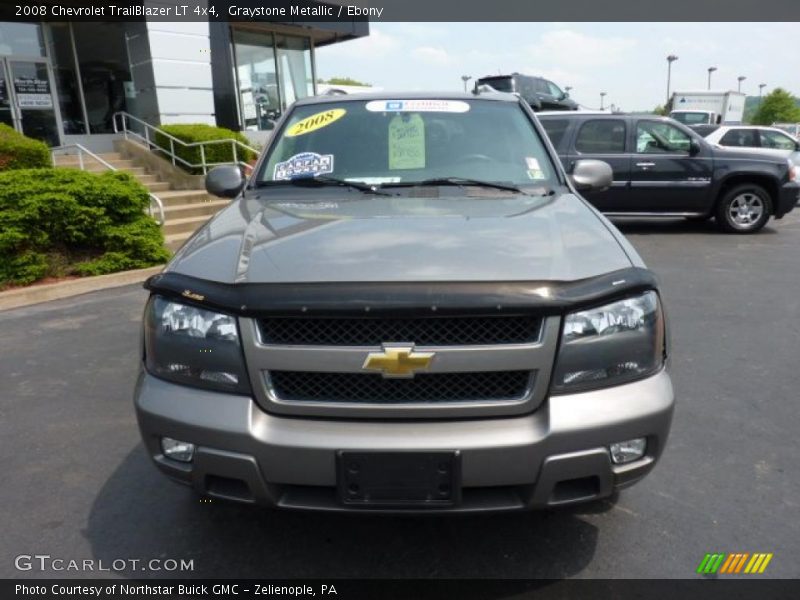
[(408, 307)]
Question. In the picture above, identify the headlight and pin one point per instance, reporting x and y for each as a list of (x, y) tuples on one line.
[(611, 344), (193, 346)]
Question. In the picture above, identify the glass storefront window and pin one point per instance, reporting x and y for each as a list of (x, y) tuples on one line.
[(105, 71), (256, 79), (294, 64), (62, 58), (271, 72), (22, 39)]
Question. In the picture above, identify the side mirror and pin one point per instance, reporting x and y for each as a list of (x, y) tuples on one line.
[(225, 181), (694, 147), (590, 175)]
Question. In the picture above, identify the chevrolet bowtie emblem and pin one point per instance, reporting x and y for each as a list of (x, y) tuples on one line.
[(398, 361)]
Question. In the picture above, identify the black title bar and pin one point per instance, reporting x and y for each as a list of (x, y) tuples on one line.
[(309, 11), (739, 588)]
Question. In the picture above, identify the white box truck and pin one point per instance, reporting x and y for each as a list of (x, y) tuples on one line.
[(708, 107)]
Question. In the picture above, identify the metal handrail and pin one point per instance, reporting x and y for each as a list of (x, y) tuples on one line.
[(83, 150), (121, 119)]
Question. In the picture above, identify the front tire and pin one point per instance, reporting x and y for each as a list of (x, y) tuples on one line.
[(744, 209)]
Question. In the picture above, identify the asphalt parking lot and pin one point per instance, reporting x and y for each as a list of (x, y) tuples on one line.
[(78, 485)]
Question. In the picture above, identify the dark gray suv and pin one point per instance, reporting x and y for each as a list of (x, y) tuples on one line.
[(538, 92), (407, 308)]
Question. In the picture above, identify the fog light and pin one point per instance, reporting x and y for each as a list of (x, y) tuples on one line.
[(177, 450), (630, 450)]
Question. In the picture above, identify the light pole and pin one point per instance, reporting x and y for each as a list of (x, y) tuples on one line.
[(602, 100), (740, 79), (465, 79), (761, 87), (670, 59), (710, 71)]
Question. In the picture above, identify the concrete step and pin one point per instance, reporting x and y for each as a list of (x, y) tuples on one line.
[(184, 225), (109, 156), (158, 186), (106, 156), (91, 163), (197, 209), (175, 240), (173, 197), (145, 179)]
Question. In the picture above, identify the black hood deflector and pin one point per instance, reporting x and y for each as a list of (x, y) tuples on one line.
[(399, 298)]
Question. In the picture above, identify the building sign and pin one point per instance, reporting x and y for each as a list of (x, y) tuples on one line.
[(32, 92)]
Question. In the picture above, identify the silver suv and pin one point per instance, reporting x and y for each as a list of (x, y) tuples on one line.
[(408, 307)]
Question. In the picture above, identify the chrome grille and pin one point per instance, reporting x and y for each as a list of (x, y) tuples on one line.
[(422, 331), (303, 386)]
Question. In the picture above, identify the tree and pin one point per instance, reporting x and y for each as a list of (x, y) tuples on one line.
[(779, 106), (345, 81), (661, 111)]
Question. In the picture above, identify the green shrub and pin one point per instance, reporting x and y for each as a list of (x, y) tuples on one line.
[(20, 152), (92, 223), (198, 132)]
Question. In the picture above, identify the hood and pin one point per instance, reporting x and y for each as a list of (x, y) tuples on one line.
[(348, 236)]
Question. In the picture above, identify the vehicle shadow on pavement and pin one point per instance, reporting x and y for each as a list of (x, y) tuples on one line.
[(677, 226), (138, 514)]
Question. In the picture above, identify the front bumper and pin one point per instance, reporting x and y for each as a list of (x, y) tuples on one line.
[(788, 198), (555, 456)]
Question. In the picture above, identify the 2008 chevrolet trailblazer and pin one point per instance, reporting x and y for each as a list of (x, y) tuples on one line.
[(408, 307)]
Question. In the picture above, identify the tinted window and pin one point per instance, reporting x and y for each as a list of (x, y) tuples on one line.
[(773, 139), (501, 84), (540, 85), (691, 118), (658, 137), (705, 130), (556, 130), (392, 141), (744, 138), (601, 136)]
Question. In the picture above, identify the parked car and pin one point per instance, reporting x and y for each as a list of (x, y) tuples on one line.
[(540, 93), (663, 168), (408, 307), (768, 141)]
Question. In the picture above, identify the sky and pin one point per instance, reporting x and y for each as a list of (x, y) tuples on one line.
[(625, 60)]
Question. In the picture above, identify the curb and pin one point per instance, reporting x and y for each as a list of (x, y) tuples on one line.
[(74, 287)]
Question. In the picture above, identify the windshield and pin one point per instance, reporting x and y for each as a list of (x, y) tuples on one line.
[(691, 118), (384, 142)]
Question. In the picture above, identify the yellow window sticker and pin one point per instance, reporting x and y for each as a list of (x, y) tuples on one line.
[(316, 121), (406, 142)]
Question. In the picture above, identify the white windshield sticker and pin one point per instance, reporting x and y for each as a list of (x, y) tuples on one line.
[(306, 164), (534, 170), (451, 106)]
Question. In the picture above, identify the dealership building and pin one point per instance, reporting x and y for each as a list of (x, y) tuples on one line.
[(63, 82)]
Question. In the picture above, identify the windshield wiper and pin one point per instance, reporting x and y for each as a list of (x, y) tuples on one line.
[(459, 181), (322, 181)]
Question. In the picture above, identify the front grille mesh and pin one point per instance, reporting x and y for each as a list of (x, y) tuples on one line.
[(425, 331), (299, 386)]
